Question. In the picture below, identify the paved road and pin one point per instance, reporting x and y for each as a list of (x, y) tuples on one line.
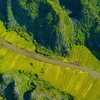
[(47, 60)]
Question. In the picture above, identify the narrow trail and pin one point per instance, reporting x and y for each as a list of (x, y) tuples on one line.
[(48, 60)]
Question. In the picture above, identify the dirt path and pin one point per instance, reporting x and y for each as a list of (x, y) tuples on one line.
[(47, 60)]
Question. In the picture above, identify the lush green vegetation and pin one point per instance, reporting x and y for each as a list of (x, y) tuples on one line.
[(52, 30), (90, 22), (86, 19), (65, 29), (54, 26), (21, 85)]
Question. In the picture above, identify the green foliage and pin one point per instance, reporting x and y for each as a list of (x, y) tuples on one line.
[(31, 87), (21, 30), (44, 20), (80, 37), (90, 22), (48, 23), (86, 18)]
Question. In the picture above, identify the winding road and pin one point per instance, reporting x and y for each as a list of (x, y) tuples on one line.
[(39, 57)]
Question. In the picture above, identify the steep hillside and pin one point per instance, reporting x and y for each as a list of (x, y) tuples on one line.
[(44, 20), (67, 32), (86, 18), (56, 25)]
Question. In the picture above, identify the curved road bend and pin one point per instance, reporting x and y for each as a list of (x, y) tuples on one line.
[(47, 60)]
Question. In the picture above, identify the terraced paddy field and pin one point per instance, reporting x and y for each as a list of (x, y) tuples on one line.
[(82, 56), (80, 85), (50, 50), (16, 39)]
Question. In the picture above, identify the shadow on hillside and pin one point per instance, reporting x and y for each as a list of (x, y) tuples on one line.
[(93, 43), (1, 79), (3, 10), (44, 34), (1, 87), (95, 52), (74, 6), (27, 95), (9, 92)]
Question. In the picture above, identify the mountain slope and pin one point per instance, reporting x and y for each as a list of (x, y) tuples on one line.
[(48, 23)]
